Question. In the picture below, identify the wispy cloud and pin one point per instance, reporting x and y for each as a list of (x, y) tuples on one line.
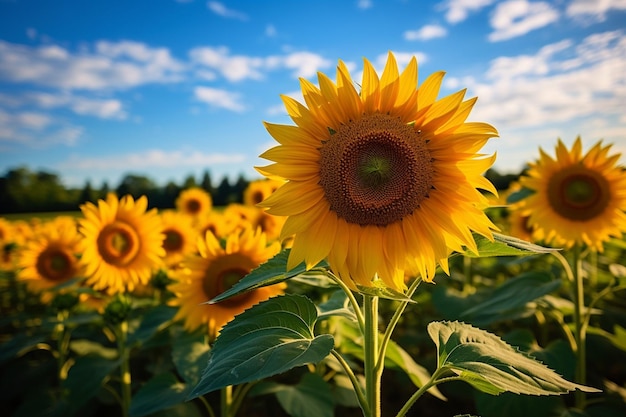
[(36, 130), (111, 65), (517, 17), (151, 158), (458, 10), (425, 33), (241, 67), (219, 98), (593, 10), (221, 10), (101, 108), (364, 4)]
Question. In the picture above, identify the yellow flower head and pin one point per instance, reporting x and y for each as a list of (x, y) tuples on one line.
[(195, 202), (259, 190), (578, 199), (180, 236), (123, 243), (216, 269), (381, 180), (50, 257)]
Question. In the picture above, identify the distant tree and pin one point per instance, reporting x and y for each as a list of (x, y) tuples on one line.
[(222, 193), (88, 194), (206, 184), (136, 185), (104, 190), (190, 182), (238, 189)]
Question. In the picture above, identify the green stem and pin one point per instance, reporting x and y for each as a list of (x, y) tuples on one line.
[(384, 342), (226, 401), (433, 381), (63, 344), (124, 352), (580, 328), (355, 382), (355, 305), (370, 345)]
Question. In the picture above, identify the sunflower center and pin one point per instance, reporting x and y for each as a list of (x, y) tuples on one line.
[(215, 284), (118, 243), (193, 206), (55, 265), (173, 241), (257, 197), (578, 193), (375, 170)]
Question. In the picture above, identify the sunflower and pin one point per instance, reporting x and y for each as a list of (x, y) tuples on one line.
[(123, 243), (578, 199), (259, 190), (215, 222), (213, 271), (180, 236), (195, 202), (382, 180), (50, 257)]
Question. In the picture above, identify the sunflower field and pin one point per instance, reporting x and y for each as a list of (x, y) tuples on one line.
[(375, 271)]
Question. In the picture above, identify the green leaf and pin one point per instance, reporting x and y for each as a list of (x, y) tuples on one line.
[(382, 291), (396, 356), (519, 195), (85, 347), (270, 338), (311, 397), (17, 344), (491, 365), (336, 305), (505, 246), (271, 272), (161, 392), (85, 378), (512, 295), (153, 321), (189, 353)]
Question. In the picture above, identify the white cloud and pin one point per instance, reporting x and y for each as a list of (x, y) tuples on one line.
[(517, 17), (270, 31), (364, 4), (36, 130), (221, 10), (219, 98), (241, 67), (563, 84), (101, 108), (458, 10), (111, 65), (594, 10), (151, 158), (425, 33)]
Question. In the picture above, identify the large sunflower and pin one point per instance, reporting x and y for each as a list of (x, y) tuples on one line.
[(123, 243), (578, 199), (50, 257), (214, 270), (379, 181), (195, 202)]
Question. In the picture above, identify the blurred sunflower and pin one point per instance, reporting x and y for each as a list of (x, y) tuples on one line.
[(578, 199), (180, 236), (259, 190), (213, 271), (50, 257), (123, 243), (518, 226), (195, 202), (216, 223), (379, 181)]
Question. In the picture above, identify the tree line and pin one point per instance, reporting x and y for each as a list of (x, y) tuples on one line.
[(26, 191)]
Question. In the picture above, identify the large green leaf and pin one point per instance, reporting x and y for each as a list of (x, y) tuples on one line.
[(161, 392), (512, 295), (268, 339), (85, 378), (189, 353), (491, 365), (504, 246), (152, 321), (271, 272), (311, 397)]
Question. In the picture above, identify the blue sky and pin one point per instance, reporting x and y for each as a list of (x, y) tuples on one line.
[(93, 90)]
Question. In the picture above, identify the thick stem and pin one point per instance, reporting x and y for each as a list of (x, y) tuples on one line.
[(580, 333), (370, 345), (226, 401), (124, 353)]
